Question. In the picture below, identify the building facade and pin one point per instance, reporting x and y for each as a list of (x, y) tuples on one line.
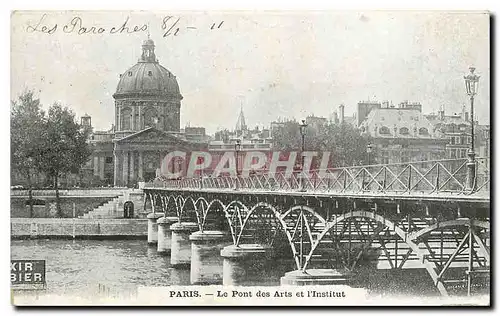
[(400, 134), (456, 129), (145, 129)]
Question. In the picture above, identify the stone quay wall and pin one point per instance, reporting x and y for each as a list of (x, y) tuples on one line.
[(67, 228)]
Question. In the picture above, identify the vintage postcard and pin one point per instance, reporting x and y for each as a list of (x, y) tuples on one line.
[(250, 158)]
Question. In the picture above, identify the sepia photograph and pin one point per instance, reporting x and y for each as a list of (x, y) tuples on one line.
[(250, 158)]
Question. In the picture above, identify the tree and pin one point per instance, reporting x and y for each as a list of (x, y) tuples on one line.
[(287, 136), (26, 122), (347, 145), (344, 141), (65, 148)]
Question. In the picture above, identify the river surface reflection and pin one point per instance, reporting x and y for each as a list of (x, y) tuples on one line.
[(87, 265), (80, 265)]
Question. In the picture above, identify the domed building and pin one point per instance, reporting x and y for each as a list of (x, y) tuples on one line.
[(146, 126), (147, 95)]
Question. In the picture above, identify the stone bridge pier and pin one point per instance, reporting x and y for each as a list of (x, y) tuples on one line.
[(165, 233), (206, 260), (243, 264)]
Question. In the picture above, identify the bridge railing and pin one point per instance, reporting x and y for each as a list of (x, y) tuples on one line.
[(437, 176)]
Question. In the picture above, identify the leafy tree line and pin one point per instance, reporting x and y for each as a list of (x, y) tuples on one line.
[(345, 143), (51, 143)]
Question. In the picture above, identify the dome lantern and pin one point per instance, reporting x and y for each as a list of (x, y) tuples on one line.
[(148, 52)]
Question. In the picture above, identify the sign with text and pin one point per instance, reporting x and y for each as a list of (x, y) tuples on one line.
[(27, 274)]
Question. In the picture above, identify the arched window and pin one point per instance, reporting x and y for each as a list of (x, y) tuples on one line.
[(150, 118), (403, 131), (423, 131), (126, 119), (384, 130)]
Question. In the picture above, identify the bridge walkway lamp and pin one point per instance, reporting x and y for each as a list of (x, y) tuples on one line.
[(369, 149), (471, 85), (302, 127), (237, 148)]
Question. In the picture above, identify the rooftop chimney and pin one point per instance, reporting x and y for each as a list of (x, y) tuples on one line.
[(86, 120), (441, 113)]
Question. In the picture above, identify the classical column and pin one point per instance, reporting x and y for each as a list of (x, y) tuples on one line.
[(125, 168), (140, 118), (132, 167), (101, 167), (119, 123), (140, 167), (133, 118), (116, 177)]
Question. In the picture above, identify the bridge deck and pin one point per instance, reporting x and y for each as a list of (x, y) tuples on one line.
[(478, 197)]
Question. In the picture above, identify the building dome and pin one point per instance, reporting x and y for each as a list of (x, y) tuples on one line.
[(147, 77)]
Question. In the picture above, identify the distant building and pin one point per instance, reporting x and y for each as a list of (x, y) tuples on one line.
[(340, 118), (455, 128), (197, 134), (277, 125), (400, 134), (316, 122), (483, 138), (250, 140)]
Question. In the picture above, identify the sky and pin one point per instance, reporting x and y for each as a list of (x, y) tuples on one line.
[(272, 64)]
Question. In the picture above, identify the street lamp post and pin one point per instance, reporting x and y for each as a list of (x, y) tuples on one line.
[(302, 127), (237, 148), (369, 148), (471, 84)]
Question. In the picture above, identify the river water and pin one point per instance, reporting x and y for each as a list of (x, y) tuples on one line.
[(80, 266)]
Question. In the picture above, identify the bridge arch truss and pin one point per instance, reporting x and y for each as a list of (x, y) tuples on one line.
[(450, 240)]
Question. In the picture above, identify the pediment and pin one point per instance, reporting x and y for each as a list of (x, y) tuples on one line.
[(152, 135)]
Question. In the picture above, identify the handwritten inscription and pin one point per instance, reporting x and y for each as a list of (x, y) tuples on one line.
[(77, 26), (40, 26), (170, 26)]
